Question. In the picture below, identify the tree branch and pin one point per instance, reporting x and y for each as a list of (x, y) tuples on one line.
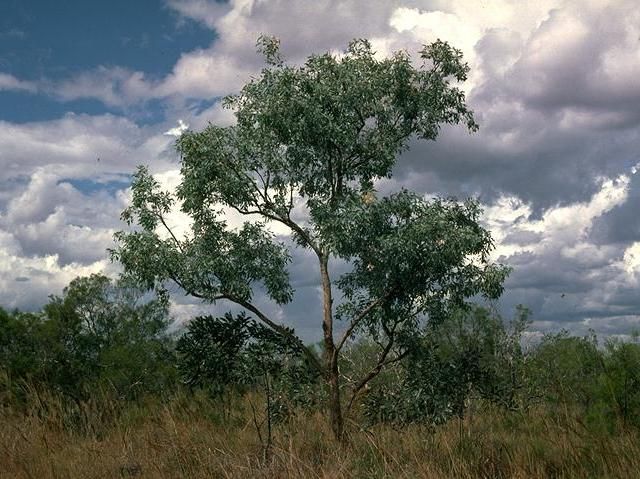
[(358, 319), (169, 230), (382, 362), (195, 294), (263, 317), (287, 221), (280, 329)]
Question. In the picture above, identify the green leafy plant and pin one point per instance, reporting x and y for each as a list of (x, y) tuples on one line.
[(235, 353), (98, 333), (308, 145), (474, 354)]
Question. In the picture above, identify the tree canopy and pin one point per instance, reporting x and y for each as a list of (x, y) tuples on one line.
[(309, 144)]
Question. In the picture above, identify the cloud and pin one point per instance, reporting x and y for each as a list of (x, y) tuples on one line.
[(553, 83), (81, 146), (114, 86), (231, 59), (26, 282), (553, 117), (66, 181), (51, 217), (582, 56), (178, 130), (38, 278), (559, 270), (11, 83)]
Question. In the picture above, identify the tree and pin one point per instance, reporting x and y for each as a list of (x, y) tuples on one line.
[(565, 370), (474, 353), (316, 137), (19, 353), (112, 334), (234, 353), (97, 332), (622, 378)]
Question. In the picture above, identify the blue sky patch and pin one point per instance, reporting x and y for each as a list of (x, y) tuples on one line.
[(44, 108), (52, 41), (92, 186), (57, 39)]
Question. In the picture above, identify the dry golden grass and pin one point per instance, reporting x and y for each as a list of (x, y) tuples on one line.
[(188, 438)]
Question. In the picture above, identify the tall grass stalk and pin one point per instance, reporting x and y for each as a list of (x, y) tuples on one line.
[(191, 436)]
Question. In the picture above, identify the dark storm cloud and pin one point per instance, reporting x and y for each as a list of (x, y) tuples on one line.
[(621, 224), (556, 110), (583, 61), (522, 237)]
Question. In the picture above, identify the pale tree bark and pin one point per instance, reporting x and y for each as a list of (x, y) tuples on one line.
[(330, 356)]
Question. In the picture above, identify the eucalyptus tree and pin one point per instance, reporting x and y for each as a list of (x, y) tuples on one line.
[(315, 138)]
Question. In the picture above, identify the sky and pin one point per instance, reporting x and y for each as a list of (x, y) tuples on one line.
[(90, 90)]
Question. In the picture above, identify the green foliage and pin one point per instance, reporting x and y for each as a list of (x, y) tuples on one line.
[(209, 351), (241, 257), (96, 333), (622, 379), (237, 353), (566, 369), (323, 131), (425, 257), (603, 382), (20, 351), (472, 354), (316, 137)]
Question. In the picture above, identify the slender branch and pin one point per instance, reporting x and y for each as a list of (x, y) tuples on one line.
[(399, 357), (382, 363), (257, 425), (358, 319), (280, 329), (241, 175), (287, 221), (290, 208), (263, 317), (264, 182), (266, 187), (330, 174), (371, 374), (363, 122), (170, 231), (195, 294)]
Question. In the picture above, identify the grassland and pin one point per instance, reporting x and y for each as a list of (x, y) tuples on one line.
[(194, 437)]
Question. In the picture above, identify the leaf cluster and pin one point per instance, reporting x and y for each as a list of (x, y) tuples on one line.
[(235, 352)]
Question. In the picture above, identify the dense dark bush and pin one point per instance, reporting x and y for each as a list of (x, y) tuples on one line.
[(237, 353), (104, 338), (98, 334)]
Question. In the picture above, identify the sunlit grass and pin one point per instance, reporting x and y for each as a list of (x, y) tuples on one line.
[(194, 437)]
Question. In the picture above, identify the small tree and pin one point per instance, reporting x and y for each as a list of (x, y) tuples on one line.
[(209, 351), (622, 378), (316, 137), (474, 353), (104, 332), (565, 370), (235, 352)]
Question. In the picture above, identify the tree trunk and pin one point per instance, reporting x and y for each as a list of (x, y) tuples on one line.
[(330, 356)]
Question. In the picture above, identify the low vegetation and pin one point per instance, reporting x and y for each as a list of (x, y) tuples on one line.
[(81, 396), (189, 436)]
